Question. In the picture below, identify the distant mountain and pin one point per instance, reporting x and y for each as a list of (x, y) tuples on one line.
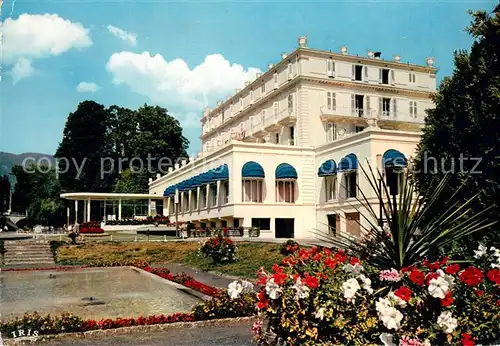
[(8, 160)]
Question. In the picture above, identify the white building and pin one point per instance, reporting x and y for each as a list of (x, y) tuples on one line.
[(273, 152)]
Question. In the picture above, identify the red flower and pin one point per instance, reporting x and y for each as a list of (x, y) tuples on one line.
[(417, 277), (471, 276), (340, 256), (447, 300), (452, 269), (444, 261), (403, 293), (431, 266), (262, 280), (317, 257), (295, 276), (330, 263), (494, 276), (303, 254), (498, 302), (431, 276), (276, 268), (263, 302), (407, 269), (311, 281), (327, 252), (354, 260), (279, 278), (479, 293), (289, 261), (467, 340)]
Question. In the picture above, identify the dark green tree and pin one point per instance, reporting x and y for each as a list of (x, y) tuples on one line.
[(4, 193), (462, 133), (86, 142), (129, 182)]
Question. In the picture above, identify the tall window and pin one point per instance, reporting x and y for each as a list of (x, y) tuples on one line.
[(203, 196), (225, 186), (331, 132), (292, 135), (412, 77), (285, 191), (275, 77), (413, 109), (385, 106), (241, 103), (290, 103), (213, 194), (357, 72), (330, 68), (330, 188), (290, 69), (277, 138), (276, 109), (331, 102), (263, 88), (251, 95), (263, 116), (350, 184), (185, 201), (252, 190)]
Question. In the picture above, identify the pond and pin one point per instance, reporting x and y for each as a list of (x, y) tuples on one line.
[(90, 293)]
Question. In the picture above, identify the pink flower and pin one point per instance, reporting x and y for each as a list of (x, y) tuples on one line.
[(390, 275), (406, 341)]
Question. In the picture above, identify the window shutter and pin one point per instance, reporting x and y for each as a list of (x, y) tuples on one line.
[(367, 107), (395, 108), (334, 101), (380, 106), (393, 78), (415, 110), (263, 116), (410, 77), (353, 103), (329, 100), (380, 76), (365, 69), (353, 76)]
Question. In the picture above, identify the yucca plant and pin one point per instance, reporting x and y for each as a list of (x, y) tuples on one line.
[(412, 230)]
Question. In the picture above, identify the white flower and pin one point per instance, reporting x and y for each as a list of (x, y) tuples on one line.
[(449, 278), (234, 289), (353, 269), (272, 289), (495, 265), (391, 318), (426, 342), (496, 252), (320, 314), (481, 250), (247, 286), (302, 290), (386, 339), (396, 299), (447, 322), (439, 287), (349, 288), (382, 303), (366, 283)]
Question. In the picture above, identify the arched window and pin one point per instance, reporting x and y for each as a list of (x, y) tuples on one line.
[(286, 177), (328, 171), (394, 163), (349, 168), (252, 180)]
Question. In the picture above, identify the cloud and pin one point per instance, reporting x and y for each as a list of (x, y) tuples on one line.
[(87, 87), (21, 69), (35, 36), (174, 84), (123, 35)]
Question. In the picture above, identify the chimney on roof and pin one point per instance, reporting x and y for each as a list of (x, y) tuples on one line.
[(377, 55)]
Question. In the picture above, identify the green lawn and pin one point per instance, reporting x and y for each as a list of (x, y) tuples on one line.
[(251, 256)]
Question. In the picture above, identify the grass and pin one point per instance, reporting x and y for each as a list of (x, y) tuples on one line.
[(251, 256)]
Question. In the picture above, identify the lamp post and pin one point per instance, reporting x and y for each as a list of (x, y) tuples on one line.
[(176, 205)]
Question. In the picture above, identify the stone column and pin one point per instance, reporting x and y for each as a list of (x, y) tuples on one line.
[(76, 211), (88, 210), (149, 207), (217, 199), (119, 209)]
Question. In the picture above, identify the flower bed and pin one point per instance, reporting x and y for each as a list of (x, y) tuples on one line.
[(160, 220), (219, 248), (318, 297)]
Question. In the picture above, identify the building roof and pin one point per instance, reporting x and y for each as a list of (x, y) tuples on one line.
[(80, 196)]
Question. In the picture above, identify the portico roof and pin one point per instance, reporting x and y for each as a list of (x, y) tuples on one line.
[(96, 196)]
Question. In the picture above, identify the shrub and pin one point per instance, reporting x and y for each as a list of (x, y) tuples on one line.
[(289, 247), (44, 324), (219, 248), (316, 297)]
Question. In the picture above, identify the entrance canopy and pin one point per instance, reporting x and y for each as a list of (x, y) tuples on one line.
[(101, 196)]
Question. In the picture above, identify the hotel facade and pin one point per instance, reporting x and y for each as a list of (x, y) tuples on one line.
[(283, 153)]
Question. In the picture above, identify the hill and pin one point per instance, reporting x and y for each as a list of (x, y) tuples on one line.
[(9, 160)]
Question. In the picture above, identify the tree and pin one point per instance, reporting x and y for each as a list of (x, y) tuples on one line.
[(4, 193), (37, 192), (129, 182), (466, 124), (86, 141)]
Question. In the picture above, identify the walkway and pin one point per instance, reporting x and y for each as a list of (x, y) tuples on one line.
[(234, 335)]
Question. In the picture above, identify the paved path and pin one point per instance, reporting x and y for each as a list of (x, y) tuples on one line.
[(200, 275), (235, 335)]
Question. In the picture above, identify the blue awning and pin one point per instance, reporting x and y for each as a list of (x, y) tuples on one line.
[(252, 169), (348, 163), (286, 171), (394, 158), (329, 167), (220, 173)]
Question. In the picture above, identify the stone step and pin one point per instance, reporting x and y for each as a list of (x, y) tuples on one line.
[(15, 263), (21, 255), (27, 249)]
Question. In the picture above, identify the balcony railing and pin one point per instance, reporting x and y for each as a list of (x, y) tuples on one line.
[(360, 115)]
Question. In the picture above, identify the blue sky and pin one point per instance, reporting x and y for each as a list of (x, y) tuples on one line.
[(239, 37)]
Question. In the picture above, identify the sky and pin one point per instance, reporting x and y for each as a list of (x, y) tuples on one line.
[(185, 55)]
